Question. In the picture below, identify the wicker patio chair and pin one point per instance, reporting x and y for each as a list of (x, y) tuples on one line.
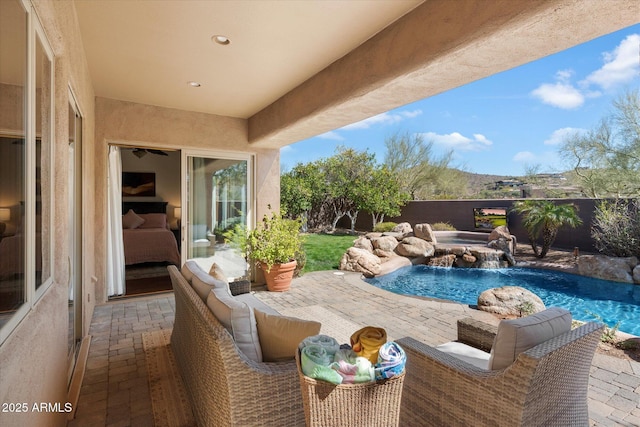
[(546, 386)]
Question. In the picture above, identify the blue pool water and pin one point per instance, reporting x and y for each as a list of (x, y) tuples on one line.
[(581, 295)]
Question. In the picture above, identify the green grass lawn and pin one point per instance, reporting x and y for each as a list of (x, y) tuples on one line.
[(325, 250)]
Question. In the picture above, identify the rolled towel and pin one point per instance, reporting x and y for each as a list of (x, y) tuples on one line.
[(391, 361), (367, 341), (315, 361), (329, 343), (353, 369)]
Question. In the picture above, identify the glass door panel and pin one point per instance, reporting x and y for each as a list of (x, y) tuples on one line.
[(217, 195)]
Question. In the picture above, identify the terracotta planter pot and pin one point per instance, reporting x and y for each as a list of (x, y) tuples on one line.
[(279, 277)]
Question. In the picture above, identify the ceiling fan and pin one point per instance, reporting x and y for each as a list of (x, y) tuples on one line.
[(141, 152)]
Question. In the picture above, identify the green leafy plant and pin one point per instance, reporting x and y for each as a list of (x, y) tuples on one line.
[(382, 227), (442, 226), (275, 240), (526, 308), (609, 334)]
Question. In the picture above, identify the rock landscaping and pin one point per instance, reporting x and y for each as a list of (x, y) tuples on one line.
[(380, 253)]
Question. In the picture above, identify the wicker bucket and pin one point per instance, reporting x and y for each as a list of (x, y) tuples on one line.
[(375, 404)]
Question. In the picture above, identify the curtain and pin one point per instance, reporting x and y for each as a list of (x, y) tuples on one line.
[(115, 246)]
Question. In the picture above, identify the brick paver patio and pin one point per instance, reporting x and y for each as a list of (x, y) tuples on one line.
[(115, 390)]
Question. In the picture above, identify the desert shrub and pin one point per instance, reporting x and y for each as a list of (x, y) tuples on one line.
[(616, 228), (382, 227), (442, 226)]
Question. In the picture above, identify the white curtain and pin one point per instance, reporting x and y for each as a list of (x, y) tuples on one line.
[(115, 246)]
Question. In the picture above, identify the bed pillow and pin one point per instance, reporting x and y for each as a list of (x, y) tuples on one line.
[(238, 318), (518, 335), (280, 335), (154, 220), (131, 220)]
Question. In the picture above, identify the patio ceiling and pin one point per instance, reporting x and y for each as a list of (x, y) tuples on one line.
[(295, 69)]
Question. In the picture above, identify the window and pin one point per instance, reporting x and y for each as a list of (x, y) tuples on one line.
[(26, 123)]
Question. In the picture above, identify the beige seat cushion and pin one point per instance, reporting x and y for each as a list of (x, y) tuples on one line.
[(238, 318), (254, 303), (518, 335), (200, 281), (280, 335)]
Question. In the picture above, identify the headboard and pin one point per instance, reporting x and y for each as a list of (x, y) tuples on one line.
[(145, 207)]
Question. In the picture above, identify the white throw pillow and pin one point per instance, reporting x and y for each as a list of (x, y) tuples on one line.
[(518, 335), (467, 353), (202, 283), (238, 318), (131, 220)]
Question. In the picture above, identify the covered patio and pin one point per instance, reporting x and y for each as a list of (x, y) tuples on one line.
[(115, 391)]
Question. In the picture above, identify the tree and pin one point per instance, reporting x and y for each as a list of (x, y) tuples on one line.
[(347, 175), (383, 195), (606, 159), (302, 193), (421, 174), (543, 217)]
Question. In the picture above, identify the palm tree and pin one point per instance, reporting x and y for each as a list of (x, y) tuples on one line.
[(545, 217)]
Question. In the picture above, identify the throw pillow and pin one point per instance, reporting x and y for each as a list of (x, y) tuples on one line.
[(518, 335), (280, 335), (238, 318), (201, 282), (131, 220), (154, 220), (217, 273)]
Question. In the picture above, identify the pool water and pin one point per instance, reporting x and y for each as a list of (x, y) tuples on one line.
[(583, 296)]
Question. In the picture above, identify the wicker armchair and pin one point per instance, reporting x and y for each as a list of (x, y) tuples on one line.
[(546, 385)]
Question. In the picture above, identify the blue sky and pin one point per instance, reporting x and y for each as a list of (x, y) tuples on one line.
[(504, 123)]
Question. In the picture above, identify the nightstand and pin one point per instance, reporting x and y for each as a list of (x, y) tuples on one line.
[(177, 232)]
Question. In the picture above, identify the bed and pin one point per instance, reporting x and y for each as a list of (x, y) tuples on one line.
[(149, 240)]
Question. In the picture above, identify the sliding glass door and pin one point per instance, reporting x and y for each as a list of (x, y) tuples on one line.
[(217, 197)]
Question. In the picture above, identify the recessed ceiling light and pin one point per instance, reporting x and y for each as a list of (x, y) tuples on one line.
[(220, 39), (194, 84)]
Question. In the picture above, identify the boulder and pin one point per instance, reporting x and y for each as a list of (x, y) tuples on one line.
[(361, 261), (385, 255), (373, 235), (424, 231), (500, 232), (414, 247), (442, 261), (505, 246), (403, 228), (363, 243), (510, 301), (385, 243), (395, 234), (394, 263), (636, 274), (618, 269)]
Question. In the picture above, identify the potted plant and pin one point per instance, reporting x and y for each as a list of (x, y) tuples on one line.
[(274, 245)]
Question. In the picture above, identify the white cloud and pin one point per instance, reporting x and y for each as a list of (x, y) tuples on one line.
[(285, 149), (561, 94), (456, 140), (524, 157), (560, 135), (332, 135), (384, 119), (620, 66)]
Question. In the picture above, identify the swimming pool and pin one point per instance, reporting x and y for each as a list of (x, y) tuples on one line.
[(581, 295)]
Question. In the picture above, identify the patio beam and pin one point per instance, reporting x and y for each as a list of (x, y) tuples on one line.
[(440, 45)]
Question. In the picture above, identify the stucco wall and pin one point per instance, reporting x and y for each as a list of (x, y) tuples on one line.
[(133, 124), (459, 213), (33, 359)]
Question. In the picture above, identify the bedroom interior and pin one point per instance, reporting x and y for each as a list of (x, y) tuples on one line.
[(150, 192)]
